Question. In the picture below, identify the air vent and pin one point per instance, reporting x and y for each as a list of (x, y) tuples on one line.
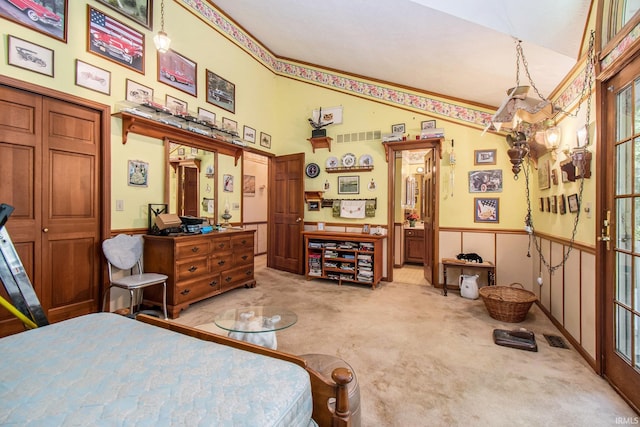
[(370, 135)]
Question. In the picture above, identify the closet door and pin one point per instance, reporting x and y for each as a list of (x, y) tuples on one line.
[(49, 172)]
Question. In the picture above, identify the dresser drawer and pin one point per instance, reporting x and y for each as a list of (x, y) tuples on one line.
[(188, 292), (240, 242), (220, 244), (236, 275), (242, 257), (192, 248), (220, 262), (191, 268)]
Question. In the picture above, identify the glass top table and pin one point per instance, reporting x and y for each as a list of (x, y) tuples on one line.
[(256, 324)]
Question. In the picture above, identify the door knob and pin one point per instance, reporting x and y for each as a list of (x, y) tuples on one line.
[(45, 230), (298, 219)]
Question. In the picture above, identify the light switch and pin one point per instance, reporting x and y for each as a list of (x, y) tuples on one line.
[(119, 205)]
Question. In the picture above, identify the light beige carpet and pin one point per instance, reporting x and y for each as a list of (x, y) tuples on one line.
[(427, 360)]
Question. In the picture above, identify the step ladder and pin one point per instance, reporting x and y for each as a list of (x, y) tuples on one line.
[(26, 305)]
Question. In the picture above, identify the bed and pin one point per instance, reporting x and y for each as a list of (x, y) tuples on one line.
[(106, 369)]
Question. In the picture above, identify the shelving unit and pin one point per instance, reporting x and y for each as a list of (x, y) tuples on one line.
[(345, 257), (320, 142), (342, 169)]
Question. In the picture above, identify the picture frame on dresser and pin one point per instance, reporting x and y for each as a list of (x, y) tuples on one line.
[(47, 21)]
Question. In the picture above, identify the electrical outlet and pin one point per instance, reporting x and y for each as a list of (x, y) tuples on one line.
[(587, 209), (119, 205)]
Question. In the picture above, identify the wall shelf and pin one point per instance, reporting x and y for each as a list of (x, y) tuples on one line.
[(155, 129), (321, 142), (339, 169)]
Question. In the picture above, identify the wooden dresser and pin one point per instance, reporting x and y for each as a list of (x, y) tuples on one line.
[(199, 266), (414, 245)]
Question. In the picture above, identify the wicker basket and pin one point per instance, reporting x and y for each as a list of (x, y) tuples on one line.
[(507, 303)]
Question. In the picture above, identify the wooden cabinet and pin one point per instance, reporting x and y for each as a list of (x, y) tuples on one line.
[(414, 245), (345, 257), (199, 266)]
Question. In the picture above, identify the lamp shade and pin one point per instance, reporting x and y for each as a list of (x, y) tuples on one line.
[(552, 136), (162, 41)]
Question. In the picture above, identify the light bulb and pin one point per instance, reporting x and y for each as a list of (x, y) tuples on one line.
[(552, 136)]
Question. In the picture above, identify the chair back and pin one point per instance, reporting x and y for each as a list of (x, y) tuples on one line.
[(123, 251)]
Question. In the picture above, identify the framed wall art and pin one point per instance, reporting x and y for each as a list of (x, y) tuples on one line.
[(92, 77), (348, 185), (486, 210), (265, 140), (572, 201), (227, 183), (489, 181), (428, 124), (111, 39), (484, 157), (249, 134), (177, 106), (178, 71), (399, 128), (554, 204), (206, 116), (249, 185), (562, 204), (138, 173), (49, 18), (221, 92), (544, 175), (30, 56), (140, 11), (135, 92), (229, 125)]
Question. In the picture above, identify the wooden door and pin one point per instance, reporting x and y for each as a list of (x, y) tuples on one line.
[(50, 163), (286, 213), (188, 191), (620, 258), (429, 197)]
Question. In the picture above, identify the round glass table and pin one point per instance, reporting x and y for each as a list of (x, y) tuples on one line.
[(256, 324)]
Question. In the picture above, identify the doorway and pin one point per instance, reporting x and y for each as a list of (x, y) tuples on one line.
[(620, 219), (426, 206)]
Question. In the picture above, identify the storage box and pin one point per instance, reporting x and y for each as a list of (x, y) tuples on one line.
[(164, 221)]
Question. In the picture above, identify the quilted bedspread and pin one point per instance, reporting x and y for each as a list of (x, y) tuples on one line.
[(103, 369)]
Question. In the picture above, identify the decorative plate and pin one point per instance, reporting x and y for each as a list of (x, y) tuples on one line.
[(348, 160), (312, 170), (365, 160), (332, 162)]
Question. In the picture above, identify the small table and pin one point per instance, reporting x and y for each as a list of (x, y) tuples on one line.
[(463, 265), (256, 324)]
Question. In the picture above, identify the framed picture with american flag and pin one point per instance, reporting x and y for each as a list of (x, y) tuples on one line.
[(111, 39), (487, 209)]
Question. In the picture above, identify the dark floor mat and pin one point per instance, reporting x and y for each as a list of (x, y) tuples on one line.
[(555, 341)]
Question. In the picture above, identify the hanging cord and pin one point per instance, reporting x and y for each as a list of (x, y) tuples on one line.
[(527, 170)]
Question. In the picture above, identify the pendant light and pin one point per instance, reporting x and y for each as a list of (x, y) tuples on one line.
[(162, 40)]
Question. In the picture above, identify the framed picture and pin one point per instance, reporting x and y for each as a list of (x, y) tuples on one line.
[(572, 200), (229, 125), (348, 185), (428, 124), (562, 204), (489, 181), (138, 173), (249, 185), (484, 157), (544, 178), (181, 151), (111, 39), (321, 226), (48, 18), (140, 11), (366, 229), (135, 92), (399, 128), (206, 116), (93, 78), (194, 151), (554, 176), (554, 204), (313, 205), (265, 140), (486, 209), (227, 183), (547, 204), (177, 106), (249, 134), (221, 92), (30, 56), (541, 207), (178, 71)]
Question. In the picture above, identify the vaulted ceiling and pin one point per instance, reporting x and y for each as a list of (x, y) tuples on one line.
[(463, 49)]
